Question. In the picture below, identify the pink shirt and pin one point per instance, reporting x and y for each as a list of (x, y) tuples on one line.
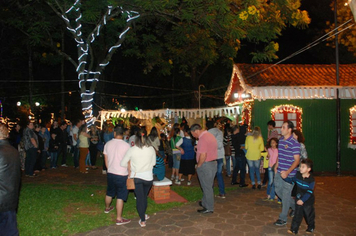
[(273, 155), (207, 144), (115, 150)]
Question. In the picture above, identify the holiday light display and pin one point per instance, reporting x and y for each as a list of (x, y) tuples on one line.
[(86, 76), (289, 109), (353, 125)]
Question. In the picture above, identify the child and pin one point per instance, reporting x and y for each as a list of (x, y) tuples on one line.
[(304, 200), (272, 159), (53, 150)]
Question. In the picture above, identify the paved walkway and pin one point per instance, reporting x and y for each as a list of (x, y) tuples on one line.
[(243, 212)]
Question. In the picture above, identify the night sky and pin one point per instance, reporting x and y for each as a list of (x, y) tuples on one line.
[(129, 72)]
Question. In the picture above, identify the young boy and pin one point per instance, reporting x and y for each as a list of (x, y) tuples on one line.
[(53, 150), (304, 200)]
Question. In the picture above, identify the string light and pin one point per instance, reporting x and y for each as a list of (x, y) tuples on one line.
[(289, 109), (352, 126), (87, 96)]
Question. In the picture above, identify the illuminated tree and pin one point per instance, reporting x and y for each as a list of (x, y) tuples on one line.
[(190, 35)]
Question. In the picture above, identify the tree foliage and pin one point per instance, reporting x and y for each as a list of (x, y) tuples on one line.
[(347, 37)]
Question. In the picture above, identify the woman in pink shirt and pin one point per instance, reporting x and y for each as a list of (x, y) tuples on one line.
[(272, 160)]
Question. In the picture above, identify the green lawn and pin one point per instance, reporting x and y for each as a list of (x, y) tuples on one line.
[(47, 209)]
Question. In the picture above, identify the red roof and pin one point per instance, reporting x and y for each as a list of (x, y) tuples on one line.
[(297, 75)]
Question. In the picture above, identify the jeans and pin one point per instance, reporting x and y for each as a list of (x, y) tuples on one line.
[(270, 187), (30, 161), (240, 165), (206, 174), (63, 150), (54, 157), (284, 191), (219, 176), (228, 165), (142, 187), (8, 223), (44, 156), (76, 156), (254, 167)]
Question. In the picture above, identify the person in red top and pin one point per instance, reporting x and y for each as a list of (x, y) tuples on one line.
[(207, 152)]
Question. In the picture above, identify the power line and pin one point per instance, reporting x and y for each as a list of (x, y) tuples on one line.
[(309, 46)]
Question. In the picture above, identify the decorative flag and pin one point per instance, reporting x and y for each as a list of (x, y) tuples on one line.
[(352, 4)]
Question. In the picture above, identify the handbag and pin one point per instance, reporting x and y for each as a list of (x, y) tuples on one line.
[(227, 149), (130, 183)]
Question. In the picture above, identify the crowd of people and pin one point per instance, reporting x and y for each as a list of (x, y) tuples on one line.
[(143, 154)]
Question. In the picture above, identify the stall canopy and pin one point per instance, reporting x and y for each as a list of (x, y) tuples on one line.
[(171, 113)]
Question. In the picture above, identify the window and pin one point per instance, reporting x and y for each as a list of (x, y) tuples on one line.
[(282, 113), (353, 125)]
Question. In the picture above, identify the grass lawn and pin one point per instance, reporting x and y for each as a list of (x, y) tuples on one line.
[(47, 209)]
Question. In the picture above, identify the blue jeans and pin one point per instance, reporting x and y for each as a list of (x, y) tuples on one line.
[(30, 161), (76, 156), (8, 223), (54, 157), (254, 167), (240, 165), (219, 175), (270, 187), (228, 165)]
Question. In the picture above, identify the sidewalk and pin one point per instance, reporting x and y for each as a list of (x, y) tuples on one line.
[(242, 212)]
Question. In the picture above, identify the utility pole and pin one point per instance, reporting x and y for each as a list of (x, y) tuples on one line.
[(199, 96), (338, 119)]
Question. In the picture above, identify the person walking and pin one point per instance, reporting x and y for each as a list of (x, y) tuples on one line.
[(207, 153), (288, 161), (10, 175), (140, 160), (221, 154), (114, 152)]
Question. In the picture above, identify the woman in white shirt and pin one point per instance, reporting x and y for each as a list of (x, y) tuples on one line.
[(142, 158)]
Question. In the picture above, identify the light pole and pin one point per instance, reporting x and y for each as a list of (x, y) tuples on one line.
[(201, 85)]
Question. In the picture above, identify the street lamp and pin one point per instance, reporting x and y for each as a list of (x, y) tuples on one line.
[(37, 104), (18, 103)]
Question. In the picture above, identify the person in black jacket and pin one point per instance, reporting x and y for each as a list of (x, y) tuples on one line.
[(304, 200), (10, 175), (238, 141)]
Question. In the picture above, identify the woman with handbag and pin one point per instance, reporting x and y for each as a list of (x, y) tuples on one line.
[(142, 158)]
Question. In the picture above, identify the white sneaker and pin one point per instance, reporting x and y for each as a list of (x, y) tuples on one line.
[(189, 183), (64, 165), (177, 182), (181, 180)]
